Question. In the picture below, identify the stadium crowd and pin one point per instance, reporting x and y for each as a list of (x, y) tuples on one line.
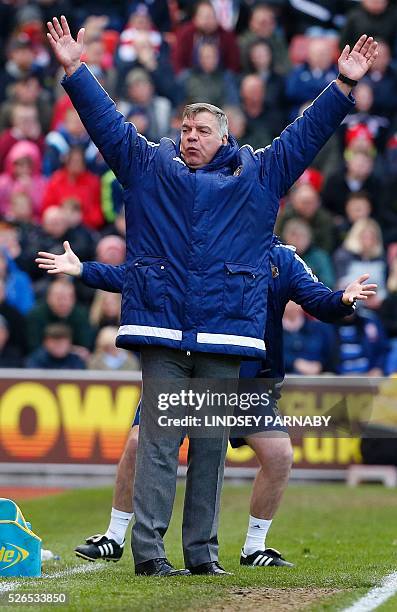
[(262, 62)]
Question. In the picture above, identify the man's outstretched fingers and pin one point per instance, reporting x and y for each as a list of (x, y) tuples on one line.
[(65, 25), (80, 36), (52, 31), (46, 255), (359, 44), (57, 27), (366, 46)]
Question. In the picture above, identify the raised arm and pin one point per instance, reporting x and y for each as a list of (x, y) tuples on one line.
[(93, 274), (292, 152), (123, 148), (318, 300)]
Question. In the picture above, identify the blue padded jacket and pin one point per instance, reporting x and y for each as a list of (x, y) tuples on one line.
[(197, 266)]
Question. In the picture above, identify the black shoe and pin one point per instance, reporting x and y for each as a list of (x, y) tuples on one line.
[(264, 558), (210, 569), (159, 567), (100, 547)]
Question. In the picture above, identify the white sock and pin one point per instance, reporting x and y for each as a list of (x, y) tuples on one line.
[(118, 525), (256, 535)]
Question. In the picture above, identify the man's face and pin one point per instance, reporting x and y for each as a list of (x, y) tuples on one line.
[(205, 19), (58, 347), (61, 299), (200, 139)]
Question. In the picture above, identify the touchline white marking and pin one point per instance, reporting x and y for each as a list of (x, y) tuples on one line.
[(5, 587), (376, 596)]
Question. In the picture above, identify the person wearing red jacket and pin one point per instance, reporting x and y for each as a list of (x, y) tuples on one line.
[(205, 28), (75, 181)]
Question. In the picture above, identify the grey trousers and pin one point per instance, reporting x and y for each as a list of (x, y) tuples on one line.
[(157, 461)]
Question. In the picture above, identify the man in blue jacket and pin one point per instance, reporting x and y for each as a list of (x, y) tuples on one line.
[(291, 279), (199, 222)]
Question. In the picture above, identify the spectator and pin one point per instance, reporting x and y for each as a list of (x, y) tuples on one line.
[(358, 206), (82, 237), (260, 62), (111, 196), (388, 209), (71, 133), (142, 100), (263, 26), (75, 181), (22, 174), (306, 343), (383, 79), (305, 82), (388, 317), (139, 29), (305, 203), (107, 356), (357, 176), (30, 235), (362, 252), (56, 351), (237, 123), (111, 250), (158, 11), (18, 287), (361, 345), (9, 354), (297, 233), (376, 126), (27, 91), (376, 16), (204, 28), (16, 324), (55, 225), (145, 48), (97, 60), (24, 126), (117, 228), (263, 123), (59, 306), (207, 82), (20, 63), (105, 310)]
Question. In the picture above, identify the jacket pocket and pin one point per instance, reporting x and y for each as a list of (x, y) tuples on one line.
[(239, 291), (149, 284)]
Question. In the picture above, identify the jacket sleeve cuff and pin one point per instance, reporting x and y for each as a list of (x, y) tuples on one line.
[(85, 271), (349, 100), (345, 310), (80, 69)]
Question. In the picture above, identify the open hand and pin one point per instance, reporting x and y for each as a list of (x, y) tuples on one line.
[(67, 263), (67, 50), (357, 290), (355, 63)]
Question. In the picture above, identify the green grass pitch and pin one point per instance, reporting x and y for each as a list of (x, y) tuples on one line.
[(343, 541)]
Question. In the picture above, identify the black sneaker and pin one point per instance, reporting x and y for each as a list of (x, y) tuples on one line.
[(100, 547), (264, 558)]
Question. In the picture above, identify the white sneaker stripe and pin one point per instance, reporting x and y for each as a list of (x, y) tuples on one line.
[(110, 547), (269, 561), (101, 550), (263, 560), (258, 559)]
